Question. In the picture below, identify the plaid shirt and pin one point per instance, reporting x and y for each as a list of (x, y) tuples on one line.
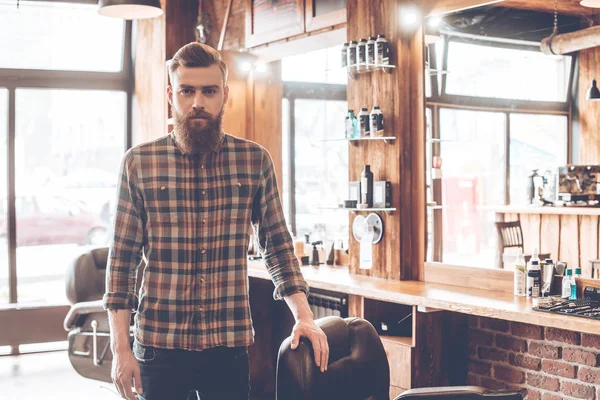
[(191, 217)]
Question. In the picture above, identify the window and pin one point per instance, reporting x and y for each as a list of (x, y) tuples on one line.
[(320, 66), (497, 72), (59, 36), (3, 199)]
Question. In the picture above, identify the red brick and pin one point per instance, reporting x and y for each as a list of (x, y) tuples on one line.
[(526, 330), (589, 340), (533, 395), (480, 338), (548, 396), (543, 382), (520, 360), (486, 353), (493, 324), (491, 383), (510, 343), (479, 368), (538, 349), (577, 390), (561, 335), (578, 356), (589, 375), (473, 321), (473, 380), (558, 368), (508, 374)]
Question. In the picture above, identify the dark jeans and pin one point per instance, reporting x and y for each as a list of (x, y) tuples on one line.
[(220, 373)]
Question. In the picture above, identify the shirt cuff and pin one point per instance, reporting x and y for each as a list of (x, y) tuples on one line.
[(289, 287), (120, 301)]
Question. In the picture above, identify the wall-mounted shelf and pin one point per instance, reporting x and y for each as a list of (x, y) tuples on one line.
[(386, 139), (359, 209), (352, 70)]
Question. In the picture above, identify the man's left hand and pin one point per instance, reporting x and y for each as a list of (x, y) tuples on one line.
[(308, 329)]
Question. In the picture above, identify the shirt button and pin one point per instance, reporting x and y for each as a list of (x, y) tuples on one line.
[(202, 166), (203, 220), (203, 251), (203, 192), (200, 309), (202, 280)]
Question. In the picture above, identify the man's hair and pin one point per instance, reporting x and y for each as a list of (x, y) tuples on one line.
[(197, 55)]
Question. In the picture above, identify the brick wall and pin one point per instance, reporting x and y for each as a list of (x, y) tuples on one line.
[(551, 363)]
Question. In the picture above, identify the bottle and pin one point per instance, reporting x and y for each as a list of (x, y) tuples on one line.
[(365, 126), (371, 51), (351, 59), (536, 255), (345, 55), (350, 124), (534, 279), (382, 51), (366, 186), (519, 274), (573, 295), (361, 55), (376, 120), (566, 284)]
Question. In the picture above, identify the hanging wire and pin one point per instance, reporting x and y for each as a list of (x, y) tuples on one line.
[(555, 31)]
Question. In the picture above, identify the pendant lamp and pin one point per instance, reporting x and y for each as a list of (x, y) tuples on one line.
[(590, 3), (593, 93), (130, 9)]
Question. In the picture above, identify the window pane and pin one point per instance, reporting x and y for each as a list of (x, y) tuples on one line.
[(69, 144), (486, 71), (321, 168), (59, 36), (320, 66), (536, 142), (473, 175), (3, 197)]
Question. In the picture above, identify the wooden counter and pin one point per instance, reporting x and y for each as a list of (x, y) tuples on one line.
[(444, 297), (569, 234)]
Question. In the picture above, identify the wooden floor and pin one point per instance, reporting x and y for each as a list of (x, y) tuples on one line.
[(49, 376)]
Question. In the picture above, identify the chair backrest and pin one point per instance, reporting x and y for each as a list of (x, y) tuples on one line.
[(358, 367), (510, 234), (85, 278)]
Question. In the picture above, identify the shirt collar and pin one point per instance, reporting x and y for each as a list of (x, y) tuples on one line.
[(216, 149)]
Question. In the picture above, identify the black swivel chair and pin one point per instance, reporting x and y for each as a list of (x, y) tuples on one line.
[(358, 369)]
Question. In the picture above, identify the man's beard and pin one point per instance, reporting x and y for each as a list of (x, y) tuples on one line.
[(192, 136)]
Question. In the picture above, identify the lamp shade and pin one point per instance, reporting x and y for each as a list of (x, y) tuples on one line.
[(590, 3), (130, 9), (593, 93)]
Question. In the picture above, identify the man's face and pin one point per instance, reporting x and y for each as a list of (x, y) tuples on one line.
[(197, 96)]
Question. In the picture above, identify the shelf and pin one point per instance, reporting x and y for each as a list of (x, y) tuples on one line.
[(386, 139), (353, 71), (405, 341), (358, 209)]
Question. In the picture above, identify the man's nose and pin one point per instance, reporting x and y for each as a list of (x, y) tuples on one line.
[(198, 101)]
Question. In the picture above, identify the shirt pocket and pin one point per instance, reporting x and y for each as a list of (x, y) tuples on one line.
[(164, 203)]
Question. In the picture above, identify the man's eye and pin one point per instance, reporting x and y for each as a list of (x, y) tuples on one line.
[(210, 92), (186, 91)]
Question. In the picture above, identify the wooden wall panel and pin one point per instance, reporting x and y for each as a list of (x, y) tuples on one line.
[(588, 243), (568, 241), (150, 80), (589, 111), (398, 255), (551, 235), (181, 17)]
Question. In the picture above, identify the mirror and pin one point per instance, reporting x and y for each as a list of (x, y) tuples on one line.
[(502, 118)]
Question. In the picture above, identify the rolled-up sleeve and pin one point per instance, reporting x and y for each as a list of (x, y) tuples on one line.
[(273, 235), (125, 253)]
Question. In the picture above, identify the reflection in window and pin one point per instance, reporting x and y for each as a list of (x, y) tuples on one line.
[(473, 164), (536, 142), (496, 72), (68, 147), (59, 36), (3, 197)]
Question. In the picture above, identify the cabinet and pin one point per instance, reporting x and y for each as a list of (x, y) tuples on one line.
[(272, 20)]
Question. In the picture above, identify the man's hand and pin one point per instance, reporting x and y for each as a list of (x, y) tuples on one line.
[(308, 329), (126, 371)]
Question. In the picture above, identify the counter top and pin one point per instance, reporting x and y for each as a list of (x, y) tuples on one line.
[(444, 297), (542, 210)]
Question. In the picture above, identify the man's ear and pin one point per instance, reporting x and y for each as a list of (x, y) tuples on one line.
[(170, 94)]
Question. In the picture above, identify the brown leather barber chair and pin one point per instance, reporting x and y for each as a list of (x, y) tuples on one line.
[(358, 369), (87, 321)]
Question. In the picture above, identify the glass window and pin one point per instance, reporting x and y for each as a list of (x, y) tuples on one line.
[(68, 147), (321, 176), (59, 36), (320, 66), (486, 71), (473, 175), (3, 197), (537, 142)]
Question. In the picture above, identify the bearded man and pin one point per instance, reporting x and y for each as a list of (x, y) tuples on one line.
[(187, 204)]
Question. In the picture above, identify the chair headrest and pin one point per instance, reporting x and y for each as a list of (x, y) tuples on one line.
[(85, 276)]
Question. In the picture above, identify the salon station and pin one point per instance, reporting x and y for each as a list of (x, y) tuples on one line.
[(438, 164)]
